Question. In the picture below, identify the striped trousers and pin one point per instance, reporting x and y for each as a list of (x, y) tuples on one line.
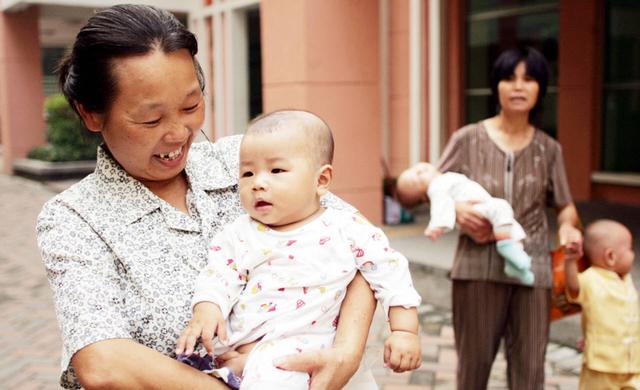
[(483, 313)]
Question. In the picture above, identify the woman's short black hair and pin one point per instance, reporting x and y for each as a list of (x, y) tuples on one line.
[(85, 73), (536, 65)]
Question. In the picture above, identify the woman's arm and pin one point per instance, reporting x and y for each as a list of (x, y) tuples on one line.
[(569, 234), (473, 224), (333, 367), (125, 364), (90, 306)]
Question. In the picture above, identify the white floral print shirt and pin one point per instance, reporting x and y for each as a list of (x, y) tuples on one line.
[(276, 284), (122, 262)]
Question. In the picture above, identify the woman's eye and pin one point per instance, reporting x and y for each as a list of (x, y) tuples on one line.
[(277, 170), (192, 108), (151, 123), (247, 174)]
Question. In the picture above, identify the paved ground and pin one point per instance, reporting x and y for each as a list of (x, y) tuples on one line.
[(29, 337)]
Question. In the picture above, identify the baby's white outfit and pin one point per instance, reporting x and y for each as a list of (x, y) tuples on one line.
[(450, 187), (285, 288)]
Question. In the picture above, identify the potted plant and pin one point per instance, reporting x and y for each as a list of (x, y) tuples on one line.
[(70, 148)]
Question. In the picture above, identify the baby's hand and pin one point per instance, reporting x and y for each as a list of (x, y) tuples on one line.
[(402, 351), (433, 233), (207, 321)]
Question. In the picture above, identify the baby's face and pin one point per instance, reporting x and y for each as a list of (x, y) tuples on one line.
[(414, 182), (278, 179)]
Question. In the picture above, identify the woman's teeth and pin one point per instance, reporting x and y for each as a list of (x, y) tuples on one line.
[(171, 155)]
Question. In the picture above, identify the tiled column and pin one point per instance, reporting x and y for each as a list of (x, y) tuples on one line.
[(578, 95), (323, 56), (21, 96)]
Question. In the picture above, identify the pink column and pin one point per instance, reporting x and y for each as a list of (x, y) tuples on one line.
[(578, 92), (323, 56), (21, 96)]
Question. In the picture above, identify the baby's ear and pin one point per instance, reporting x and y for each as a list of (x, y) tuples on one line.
[(325, 176), (609, 257)]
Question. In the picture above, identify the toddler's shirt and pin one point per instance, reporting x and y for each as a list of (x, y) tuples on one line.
[(283, 283), (610, 321)]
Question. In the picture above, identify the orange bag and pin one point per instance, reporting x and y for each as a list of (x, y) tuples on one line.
[(560, 306)]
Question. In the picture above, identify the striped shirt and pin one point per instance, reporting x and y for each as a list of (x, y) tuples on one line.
[(530, 179)]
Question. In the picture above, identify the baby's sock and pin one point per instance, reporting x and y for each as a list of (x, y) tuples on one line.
[(517, 262)]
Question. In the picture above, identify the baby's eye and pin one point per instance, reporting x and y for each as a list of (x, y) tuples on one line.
[(247, 174), (277, 170)]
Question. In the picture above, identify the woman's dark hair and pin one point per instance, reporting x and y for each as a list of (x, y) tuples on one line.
[(85, 73), (536, 65)]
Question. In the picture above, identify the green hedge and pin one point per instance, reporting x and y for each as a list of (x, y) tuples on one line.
[(67, 139)]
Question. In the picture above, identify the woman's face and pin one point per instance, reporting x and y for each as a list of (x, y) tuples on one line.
[(152, 121), (519, 93)]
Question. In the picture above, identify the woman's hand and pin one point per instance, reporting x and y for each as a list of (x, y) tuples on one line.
[(473, 224), (329, 368), (570, 239), (207, 321), (569, 236)]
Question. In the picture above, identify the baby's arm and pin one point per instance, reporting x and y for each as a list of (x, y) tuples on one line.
[(442, 214), (572, 284), (217, 288), (433, 232), (402, 349), (387, 273)]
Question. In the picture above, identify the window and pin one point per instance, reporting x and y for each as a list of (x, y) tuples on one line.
[(496, 25), (621, 87), (50, 58)]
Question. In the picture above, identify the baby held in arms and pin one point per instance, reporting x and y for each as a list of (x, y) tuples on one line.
[(424, 183), (276, 277)]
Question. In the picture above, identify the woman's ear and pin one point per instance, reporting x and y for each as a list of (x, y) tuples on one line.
[(325, 175), (92, 120)]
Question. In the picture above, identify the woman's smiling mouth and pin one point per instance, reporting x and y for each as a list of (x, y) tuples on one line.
[(171, 155)]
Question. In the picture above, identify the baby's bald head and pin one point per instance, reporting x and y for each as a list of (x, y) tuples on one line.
[(317, 136), (603, 234)]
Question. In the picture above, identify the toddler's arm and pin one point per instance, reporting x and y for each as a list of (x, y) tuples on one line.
[(402, 349), (572, 284)]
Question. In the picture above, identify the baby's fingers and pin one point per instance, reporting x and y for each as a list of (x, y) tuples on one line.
[(207, 339), (222, 331), (395, 359), (387, 355), (190, 336)]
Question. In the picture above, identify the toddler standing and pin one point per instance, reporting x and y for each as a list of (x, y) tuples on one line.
[(610, 313), (277, 276), (423, 182)]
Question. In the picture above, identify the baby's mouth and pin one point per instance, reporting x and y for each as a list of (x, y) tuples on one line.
[(262, 203), (171, 155)]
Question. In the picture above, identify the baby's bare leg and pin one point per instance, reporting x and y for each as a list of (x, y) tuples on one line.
[(236, 360)]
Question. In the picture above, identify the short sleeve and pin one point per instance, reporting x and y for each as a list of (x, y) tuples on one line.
[(84, 277), (558, 192), (386, 270), (452, 157)]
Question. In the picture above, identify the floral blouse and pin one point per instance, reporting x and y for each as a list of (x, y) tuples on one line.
[(122, 262)]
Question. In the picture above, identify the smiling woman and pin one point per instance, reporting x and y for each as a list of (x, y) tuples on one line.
[(123, 247), (151, 123)]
